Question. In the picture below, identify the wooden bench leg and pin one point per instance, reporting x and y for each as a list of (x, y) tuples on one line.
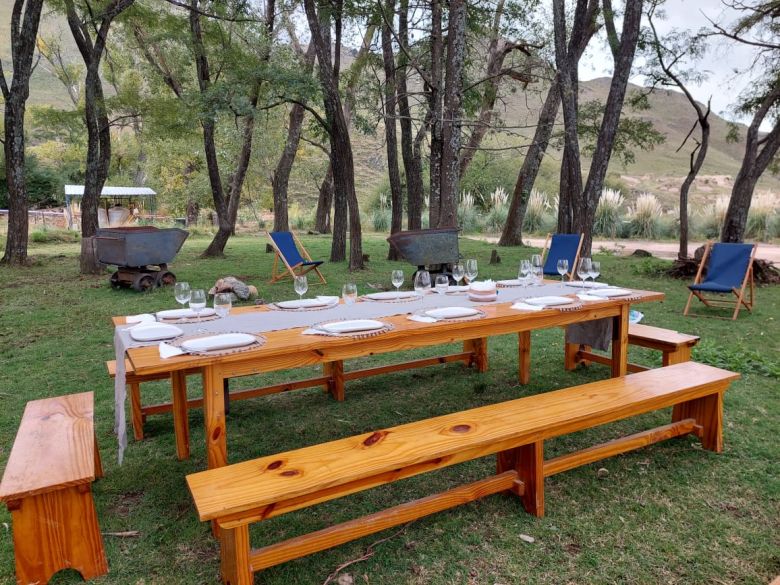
[(620, 343), (524, 357), (528, 461), (681, 354), (98, 461), (708, 413), (479, 348), (234, 555), (54, 531), (135, 408), (335, 371), (181, 422)]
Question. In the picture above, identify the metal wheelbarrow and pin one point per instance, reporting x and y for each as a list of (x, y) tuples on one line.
[(434, 250)]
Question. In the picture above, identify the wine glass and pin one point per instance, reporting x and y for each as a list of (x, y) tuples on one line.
[(223, 302), (537, 267), (349, 293), (583, 271), (301, 285), (458, 272), (397, 279), (524, 272), (442, 283), (595, 270), (182, 292), (198, 301), (471, 270), (422, 282), (563, 267)]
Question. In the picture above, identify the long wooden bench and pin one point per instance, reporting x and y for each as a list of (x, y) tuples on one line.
[(47, 486), (675, 347), (235, 496)]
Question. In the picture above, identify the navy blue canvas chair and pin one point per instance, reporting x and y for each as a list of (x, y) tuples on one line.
[(729, 271), (561, 247), (293, 256)]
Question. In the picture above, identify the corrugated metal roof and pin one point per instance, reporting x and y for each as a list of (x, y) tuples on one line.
[(78, 191)]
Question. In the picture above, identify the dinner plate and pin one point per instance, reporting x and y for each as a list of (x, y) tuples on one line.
[(611, 292), (154, 332), (217, 342), (391, 295), (549, 301), (586, 284), (303, 303), (184, 313), (456, 288), (451, 312), (512, 282), (352, 326)]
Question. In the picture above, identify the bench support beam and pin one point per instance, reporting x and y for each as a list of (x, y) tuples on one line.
[(708, 413), (528, 462)]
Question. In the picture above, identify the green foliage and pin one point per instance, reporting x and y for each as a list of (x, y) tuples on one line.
[(487, 172), (762, 217), (608, 213), (380, 219), (536, 212), (645, 217), (54, 236), (737, 359), (44, 184)]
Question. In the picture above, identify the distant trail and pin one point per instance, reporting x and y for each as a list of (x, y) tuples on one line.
[(658, 249)]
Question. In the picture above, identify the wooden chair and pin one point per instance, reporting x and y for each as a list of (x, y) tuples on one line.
[(730, 271), (47, 486), (561, 247), (235, 496), (289, 251)]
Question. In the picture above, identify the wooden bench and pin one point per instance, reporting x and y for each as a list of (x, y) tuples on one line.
[(235, 496), (47, 486), (675, 347)]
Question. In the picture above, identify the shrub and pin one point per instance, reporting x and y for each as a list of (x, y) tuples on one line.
[(645, 216), (468, 219), (496, 218), (380, 220), (499, 198), (538, 206), (710, 220), (761, 217), (608, 213), (48, 236)]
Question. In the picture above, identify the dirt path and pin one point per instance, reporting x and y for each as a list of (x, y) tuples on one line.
[(667, 250)]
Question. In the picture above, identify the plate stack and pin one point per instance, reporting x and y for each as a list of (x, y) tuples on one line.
[(483, 292)]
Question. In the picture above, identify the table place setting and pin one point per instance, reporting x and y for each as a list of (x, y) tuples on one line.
[(392, 296), (355, 328), (317, 303), (546, 302), (211, 344), (186, 315), (447, 314)]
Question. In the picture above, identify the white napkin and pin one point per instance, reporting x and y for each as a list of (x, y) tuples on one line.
[(167, 350), (587, 297), (521, 306), (142, 318), (184, 313), (483, 286), (421, 319), (328, 300), (586, 284)]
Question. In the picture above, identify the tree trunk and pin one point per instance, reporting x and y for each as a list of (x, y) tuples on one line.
[(583, 221), (394, 174), (435, 106), (324, 203), (24, 32)]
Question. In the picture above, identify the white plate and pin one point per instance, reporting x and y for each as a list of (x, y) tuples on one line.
[(352, 326), (586, 284), (451, 312), (513, 282), (184, 313), (611, 292), (155, 332), (302, 304), (216, 342), (390, 295), (549, 301), (455, 288)]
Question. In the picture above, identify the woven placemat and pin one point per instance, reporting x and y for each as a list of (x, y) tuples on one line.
[(276, 307), (356, 334), (576, 306), (185, 320), (480, 315), (260, 341)]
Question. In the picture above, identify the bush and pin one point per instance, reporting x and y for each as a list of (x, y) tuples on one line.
[(608, 213), (538, 206), (496, 219), (761, 223), (380, 220), (51, 236), (645, 216), (469, 219), (710, 220)]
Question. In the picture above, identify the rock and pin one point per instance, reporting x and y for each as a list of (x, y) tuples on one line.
[(602, 472), (639, 253), (528, 539), (269, 249), (230, 284), (494, 257)]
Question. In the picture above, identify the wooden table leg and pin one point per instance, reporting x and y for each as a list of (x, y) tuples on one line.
[(335, 370), (479, 348), (620, 342), (181, 422), (214, 416), (524, 356), (135, 408)]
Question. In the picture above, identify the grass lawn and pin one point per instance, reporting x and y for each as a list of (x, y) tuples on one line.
[(670, 513)]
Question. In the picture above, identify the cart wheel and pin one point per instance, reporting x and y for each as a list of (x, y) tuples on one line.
[(143, 282), (165, 278), (114, 280)]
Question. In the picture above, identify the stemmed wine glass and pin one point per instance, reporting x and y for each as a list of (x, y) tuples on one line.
[(583, 271), (471, 270), (397, 279), (536, 264), (595, 270), (198, 301), (524, 272), (442, 283), (422, 282), (458, 272), (182, 292), (301, 286), (563, 267)]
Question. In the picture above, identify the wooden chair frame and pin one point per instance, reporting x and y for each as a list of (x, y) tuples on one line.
[(290, 270), (546, 249), (742, 299)]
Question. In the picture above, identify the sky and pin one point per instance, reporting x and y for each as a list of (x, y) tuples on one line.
[(720, 61)]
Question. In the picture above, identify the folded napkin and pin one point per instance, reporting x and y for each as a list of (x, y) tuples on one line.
[(586, 284), (587, 297), (168, 351), (482, 286), (521, 306), (184, 313), (421, 319), (328, 300), (142, 318)]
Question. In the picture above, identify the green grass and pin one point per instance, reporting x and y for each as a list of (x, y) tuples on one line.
[(670, 513)]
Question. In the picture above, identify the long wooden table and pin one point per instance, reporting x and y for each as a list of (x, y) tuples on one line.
[(286, 349)]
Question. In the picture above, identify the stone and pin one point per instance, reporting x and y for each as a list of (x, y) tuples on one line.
[(230, 284)]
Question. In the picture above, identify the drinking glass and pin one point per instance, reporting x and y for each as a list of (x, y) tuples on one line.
[(536, 265), (583, 271), (471, 270), (182, 292), (458, 272), (595, 270), (525, 272), (349, 293), (442, 283), (301, 285), (422, 282), (563, 267), (397, 279), (223, 302), (198, 301)]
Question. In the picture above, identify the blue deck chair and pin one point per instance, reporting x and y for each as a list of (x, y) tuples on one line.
[(561, 247), (730, 271), (288, 249)]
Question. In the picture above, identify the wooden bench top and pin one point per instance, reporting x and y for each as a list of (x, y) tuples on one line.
[(243, 487), (650, 333), (54, 447)]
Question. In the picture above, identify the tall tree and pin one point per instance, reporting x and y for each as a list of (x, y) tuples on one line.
[(25, 18), (435, 105), (338, 131)]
